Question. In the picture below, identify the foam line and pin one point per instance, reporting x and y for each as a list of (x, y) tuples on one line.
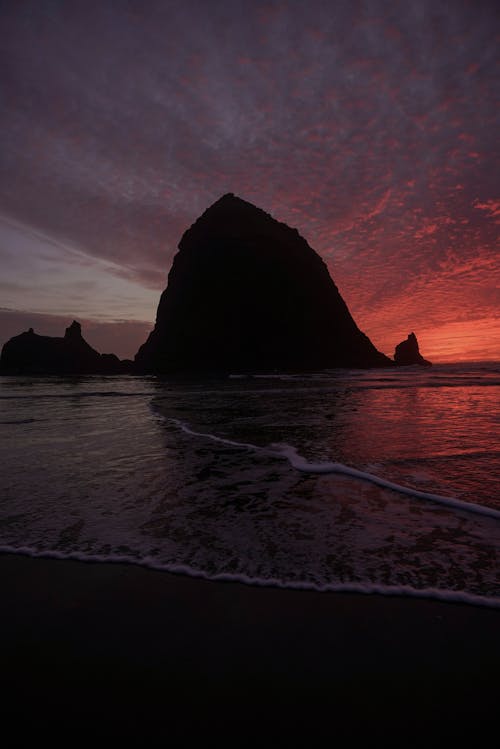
[(290, 454), (298, 462), (445, 595), (214, 438)]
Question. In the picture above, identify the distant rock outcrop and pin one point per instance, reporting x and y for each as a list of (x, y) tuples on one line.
[(407, 353), (30, 353), (247, 293)]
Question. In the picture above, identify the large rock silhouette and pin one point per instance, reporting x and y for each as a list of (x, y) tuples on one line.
[(408, 353), (29, 353), (247, 293)]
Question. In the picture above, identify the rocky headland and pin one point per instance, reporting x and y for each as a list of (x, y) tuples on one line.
[(29, 353)]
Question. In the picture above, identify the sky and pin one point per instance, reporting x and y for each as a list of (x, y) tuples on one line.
[(370, 126)]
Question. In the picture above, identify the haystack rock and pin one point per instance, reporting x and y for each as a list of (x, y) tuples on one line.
[(30, 353), (245, 294), (408, 353)]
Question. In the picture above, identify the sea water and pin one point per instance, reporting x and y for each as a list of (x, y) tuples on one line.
[(376, 481)]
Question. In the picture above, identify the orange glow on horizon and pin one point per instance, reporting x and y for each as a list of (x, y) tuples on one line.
[(460, 341), (467, 340)]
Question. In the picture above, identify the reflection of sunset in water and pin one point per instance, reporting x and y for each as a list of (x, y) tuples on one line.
[(420, 422), (421, 435)]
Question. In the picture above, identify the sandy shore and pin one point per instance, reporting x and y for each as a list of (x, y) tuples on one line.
[(124, 649)]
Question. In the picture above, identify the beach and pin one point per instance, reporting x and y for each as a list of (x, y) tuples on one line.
[(132, 651)]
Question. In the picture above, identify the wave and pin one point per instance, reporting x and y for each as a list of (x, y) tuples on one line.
[(20, 421), (365, 588), (76, 396), (298, 462)]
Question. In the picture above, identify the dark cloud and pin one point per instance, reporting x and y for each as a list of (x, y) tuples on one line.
[(370, 126)]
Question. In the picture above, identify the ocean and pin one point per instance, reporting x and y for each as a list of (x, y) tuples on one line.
[(377, 481)]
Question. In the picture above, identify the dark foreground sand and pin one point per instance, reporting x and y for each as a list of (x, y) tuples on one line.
[(120, 651)]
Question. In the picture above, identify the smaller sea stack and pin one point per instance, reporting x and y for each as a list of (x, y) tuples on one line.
[(407, 353)]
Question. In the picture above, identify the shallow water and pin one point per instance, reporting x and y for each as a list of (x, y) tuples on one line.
[(240, 478)]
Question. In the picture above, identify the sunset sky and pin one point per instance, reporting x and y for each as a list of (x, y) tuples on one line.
[(372, 127)]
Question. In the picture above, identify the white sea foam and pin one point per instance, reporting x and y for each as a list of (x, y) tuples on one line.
[(298, 462), (447, 596)]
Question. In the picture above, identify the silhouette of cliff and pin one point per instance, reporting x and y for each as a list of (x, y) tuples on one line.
[(408, 353), (30, 353), (247, 293)]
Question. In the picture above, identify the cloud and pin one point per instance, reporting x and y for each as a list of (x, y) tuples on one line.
[(492, 207), (50, 275)]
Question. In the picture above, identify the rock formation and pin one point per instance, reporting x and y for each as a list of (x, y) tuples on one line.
[(247, 293), (407, 353), (30, 353)]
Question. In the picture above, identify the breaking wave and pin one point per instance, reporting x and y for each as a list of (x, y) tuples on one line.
[(290, 453)]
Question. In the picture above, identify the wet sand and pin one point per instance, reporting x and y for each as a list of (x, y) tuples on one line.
[(125, 651)]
